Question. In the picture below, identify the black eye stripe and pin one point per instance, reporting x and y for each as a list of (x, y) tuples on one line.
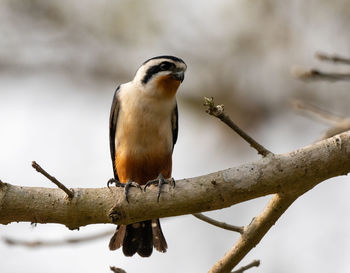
[(163, 66)]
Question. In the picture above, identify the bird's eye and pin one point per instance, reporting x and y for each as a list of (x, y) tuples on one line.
[(166, 66)]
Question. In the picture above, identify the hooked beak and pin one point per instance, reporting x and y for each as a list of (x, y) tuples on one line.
[(178, 75)]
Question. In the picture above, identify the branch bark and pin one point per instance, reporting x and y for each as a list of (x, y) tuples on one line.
[(297, 171), (255, 231)]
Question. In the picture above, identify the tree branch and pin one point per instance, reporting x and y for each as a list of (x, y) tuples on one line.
[(34, 244), (219, 112), (317, 112), (292, 172), (332, 58), (37, 167), (339, 124), (213, 222), (117, 269), (315, 74), (255, 231)]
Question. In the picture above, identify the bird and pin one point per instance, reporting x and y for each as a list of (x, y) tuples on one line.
[(143, 129)]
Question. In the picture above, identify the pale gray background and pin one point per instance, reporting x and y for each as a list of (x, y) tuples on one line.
[(60, 62)]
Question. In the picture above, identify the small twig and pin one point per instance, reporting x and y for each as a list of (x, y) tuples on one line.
[(34, 244), (117, 269), (37, 167), (248, 266), (314, 74), (218, 224), (219, 112), (332, 58)]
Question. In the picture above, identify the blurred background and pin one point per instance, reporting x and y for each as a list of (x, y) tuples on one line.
[(60, 62)]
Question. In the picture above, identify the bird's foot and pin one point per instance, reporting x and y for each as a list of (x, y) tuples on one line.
[(126, 186), (160, 181)]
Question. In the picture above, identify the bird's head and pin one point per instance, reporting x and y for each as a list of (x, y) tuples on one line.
[(161, 76)]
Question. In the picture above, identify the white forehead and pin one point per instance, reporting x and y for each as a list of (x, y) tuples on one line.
[(143, 69)]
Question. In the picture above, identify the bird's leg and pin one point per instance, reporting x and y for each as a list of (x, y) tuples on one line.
[(160, 181), (126, 186)]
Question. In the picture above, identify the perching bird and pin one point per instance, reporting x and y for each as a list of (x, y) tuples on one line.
[(143, 131)]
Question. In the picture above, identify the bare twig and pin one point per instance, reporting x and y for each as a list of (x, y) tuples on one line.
[(34, 244), (314, 74), (218, 111), (117, 269), (217, 223), (332, 58), (255, 231), (248, 266), (37, 167)]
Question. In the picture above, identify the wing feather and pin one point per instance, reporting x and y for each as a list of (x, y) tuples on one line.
[(113, 120), (175, 124)]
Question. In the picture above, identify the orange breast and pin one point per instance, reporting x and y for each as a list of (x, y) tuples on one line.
[(142, 168)]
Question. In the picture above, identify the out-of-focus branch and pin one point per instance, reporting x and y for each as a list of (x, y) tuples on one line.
[(34, 244), (316, 112), (339, 124), (315, 74), (248, 266), (219, 112), (217, 223), (117, 269), (332, 58)]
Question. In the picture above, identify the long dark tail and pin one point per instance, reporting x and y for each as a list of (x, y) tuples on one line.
[(139, 237)]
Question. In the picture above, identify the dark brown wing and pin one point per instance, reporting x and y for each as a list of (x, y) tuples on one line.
[(113, 120), (175, 124)]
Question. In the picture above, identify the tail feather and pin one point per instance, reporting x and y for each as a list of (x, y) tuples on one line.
[(158, 236), (132, 239), (145, 246), (139, 237), (118, 238)]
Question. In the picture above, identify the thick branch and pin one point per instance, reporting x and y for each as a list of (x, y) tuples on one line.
[(296, 171), (255, 231)]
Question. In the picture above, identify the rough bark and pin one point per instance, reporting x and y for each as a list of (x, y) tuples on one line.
[(297, 171)]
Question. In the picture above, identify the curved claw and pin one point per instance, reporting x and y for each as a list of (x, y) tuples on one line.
[(110, 181), (127, 187), (114, 181), (160, 181), (151, 182)]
